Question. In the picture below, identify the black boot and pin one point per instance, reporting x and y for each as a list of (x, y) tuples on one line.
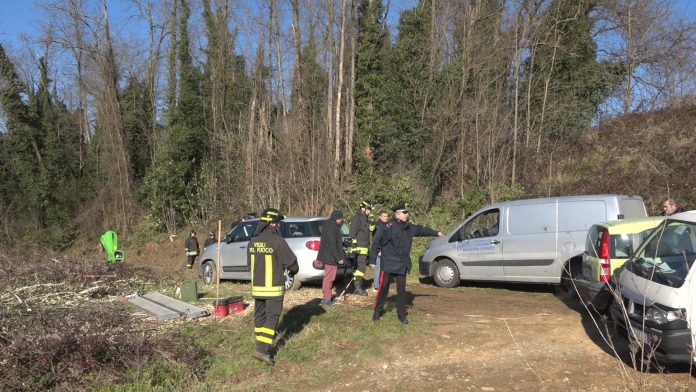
[(264, 357), (376, 315), (358, 287)]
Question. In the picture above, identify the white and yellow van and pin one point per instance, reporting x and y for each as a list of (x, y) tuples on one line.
[(608, 246)]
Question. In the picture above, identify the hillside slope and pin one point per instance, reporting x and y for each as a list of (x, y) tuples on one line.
[(647, 154)]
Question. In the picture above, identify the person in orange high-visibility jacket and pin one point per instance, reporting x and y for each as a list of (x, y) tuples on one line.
[(269, 257)]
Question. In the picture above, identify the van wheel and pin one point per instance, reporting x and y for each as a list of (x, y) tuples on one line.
[(446, 274), (570, 271)]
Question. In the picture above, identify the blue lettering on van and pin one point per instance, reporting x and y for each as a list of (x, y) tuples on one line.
[(474, 247)]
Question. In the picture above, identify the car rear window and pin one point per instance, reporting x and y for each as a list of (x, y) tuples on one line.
[(306, 229), (621, 246), (245, 230), (301, 229)]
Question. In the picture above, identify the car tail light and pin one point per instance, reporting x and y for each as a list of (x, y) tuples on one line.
[(313, 245), (318, 264), (604, 261)]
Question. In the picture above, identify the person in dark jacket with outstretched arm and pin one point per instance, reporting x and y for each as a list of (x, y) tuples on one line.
[(395, 244), (331, 254)]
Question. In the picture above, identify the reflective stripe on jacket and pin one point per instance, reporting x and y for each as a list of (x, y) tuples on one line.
[(360, 230), (191, 245), (269, 256)]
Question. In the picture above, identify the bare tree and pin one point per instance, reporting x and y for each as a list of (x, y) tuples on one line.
[(69, 22), (157, 27), (653, 42), (339, 90)]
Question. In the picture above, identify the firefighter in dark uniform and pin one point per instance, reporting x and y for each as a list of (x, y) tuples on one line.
[(269, 256), (191, 245), (360, 243), (395, 243)]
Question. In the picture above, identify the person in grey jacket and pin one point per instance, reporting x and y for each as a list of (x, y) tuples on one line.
[(395, 243), (331, 254)]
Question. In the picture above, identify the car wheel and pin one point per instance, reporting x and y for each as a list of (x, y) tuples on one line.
[(446, 274), (291, 283), (208, 272)]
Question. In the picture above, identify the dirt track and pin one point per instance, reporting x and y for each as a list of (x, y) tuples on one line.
[(484, 337), (507, 337)]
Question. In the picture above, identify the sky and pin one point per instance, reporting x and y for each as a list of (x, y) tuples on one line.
[(22, 17)]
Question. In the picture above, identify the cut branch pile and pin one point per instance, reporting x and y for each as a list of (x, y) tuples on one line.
[(62, 329)]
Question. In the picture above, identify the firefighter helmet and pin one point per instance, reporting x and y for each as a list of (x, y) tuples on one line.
[(365, 204), (272, 215)]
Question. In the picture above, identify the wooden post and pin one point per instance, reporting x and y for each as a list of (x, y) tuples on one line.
[(217, 284)]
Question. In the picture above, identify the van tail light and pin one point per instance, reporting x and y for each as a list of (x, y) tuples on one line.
[(604, 261), (317, 264), (313, 245)]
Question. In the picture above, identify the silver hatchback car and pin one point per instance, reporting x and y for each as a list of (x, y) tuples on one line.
[(302, 234)]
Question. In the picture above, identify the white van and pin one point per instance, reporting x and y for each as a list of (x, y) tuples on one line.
[(532, 240), (657, 302)]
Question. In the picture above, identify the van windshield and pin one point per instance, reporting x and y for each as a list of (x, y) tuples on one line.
[(668, 254)]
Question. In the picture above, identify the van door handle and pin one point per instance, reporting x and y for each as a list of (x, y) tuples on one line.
[(495, 242), (243, 246)]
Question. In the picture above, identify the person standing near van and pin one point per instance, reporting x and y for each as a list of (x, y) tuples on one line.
[(360, 242), (669, 207), (331, 254), (210, 240), (192, 248), (375, 251), (269, 256), (395, 243)]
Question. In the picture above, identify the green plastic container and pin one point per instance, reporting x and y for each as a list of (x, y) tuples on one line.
[(189, 291)]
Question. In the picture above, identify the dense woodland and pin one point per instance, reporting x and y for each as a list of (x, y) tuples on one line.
[(218, 107)]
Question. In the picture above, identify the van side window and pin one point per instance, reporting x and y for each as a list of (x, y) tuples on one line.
[(485, 224)]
